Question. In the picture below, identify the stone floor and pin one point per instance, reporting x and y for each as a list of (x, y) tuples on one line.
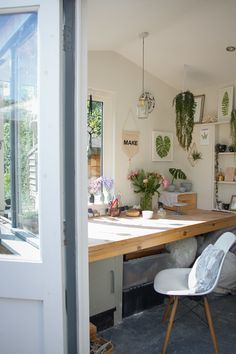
[(143, 333)]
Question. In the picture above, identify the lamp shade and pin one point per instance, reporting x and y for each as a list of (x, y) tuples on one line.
[(142, 108)]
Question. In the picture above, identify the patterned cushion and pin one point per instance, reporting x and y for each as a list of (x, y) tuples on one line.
[(205, 269)]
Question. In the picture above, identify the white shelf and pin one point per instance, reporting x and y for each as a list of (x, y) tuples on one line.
[(223, 210), (227, 153), (225, 182), (227, 121)]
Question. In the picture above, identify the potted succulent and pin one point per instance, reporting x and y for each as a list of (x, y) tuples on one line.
[(185, 108), (176, 173), (196, 155)]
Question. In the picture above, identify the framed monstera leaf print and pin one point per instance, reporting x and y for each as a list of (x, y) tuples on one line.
[(162, 146), (225, 103)]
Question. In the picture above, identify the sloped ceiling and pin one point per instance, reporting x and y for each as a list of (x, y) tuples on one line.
[(182, 33)]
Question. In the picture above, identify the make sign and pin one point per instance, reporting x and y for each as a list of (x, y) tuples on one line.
[(130, 142)]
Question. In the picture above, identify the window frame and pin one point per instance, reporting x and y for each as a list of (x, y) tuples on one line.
[(107, 130)]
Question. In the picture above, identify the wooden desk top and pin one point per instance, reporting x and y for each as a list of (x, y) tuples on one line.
[(114, 236)]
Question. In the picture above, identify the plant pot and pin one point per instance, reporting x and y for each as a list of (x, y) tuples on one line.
[(114, 211), (187, 186), (171, 188)]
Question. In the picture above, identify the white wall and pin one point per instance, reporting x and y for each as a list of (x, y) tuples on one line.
[(112, 73)]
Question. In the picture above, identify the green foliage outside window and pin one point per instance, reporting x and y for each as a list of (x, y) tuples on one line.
[(94, 122)]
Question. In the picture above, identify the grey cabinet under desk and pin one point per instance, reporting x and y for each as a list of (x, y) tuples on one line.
[(105, 286)]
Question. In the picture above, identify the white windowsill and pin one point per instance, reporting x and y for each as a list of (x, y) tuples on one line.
[(21, 249)]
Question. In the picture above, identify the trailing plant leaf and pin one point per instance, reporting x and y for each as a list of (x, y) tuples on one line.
[(177, 173), (233, 128), (185, 108), (225, 104), (163, 146)]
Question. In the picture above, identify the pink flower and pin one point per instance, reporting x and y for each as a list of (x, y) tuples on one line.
[(165, 182)]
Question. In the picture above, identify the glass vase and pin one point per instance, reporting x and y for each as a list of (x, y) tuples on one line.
[(91, 198), (102, 197), (146, 201)]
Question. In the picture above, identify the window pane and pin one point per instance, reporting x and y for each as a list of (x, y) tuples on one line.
[(95, 138), (18, 115)]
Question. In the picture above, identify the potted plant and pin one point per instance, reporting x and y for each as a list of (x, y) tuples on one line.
[(176, 173), (196, 155), (146, 183), (185, 108)]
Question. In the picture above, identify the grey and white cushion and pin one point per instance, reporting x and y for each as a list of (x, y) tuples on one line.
[(205, 269)]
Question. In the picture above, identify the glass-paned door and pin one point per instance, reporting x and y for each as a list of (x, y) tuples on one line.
[(32, 291)]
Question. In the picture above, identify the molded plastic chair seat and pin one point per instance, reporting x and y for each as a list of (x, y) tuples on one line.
[(175, 282)]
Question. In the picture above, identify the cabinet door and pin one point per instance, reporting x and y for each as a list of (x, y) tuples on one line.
[(102, 286)]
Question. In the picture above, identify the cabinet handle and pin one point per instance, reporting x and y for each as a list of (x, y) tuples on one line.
[(112, 281)]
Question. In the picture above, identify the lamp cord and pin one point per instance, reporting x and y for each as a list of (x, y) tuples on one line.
[(184, 78), (143, 70)]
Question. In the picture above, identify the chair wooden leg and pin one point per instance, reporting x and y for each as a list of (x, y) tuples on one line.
[(210, 323), (170, 324), (167, 309)]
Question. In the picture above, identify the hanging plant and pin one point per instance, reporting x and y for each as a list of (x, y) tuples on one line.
[(185, 108), (233, 128)]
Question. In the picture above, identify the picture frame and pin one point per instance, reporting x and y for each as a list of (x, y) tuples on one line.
[(162, 146), (225, 103), (204, 136), (232, 205), (198, 115)]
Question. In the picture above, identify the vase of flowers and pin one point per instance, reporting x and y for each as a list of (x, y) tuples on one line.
[(147, 184), (97, 186), (94, 186), (107, 186)]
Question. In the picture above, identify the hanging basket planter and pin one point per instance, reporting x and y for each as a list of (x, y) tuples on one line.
[(185, 108)]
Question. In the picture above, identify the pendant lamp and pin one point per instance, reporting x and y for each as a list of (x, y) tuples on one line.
[(146, 101)]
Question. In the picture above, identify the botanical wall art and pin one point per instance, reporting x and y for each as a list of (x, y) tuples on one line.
[(162, 146), (204, 136), (199, 101), (225, 102)]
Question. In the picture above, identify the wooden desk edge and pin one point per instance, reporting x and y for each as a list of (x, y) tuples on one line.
[(117, 248)]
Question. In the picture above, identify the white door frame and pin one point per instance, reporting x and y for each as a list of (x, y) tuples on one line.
[(81, 167)]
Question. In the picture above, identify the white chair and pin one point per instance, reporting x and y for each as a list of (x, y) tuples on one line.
[(195, 281)]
